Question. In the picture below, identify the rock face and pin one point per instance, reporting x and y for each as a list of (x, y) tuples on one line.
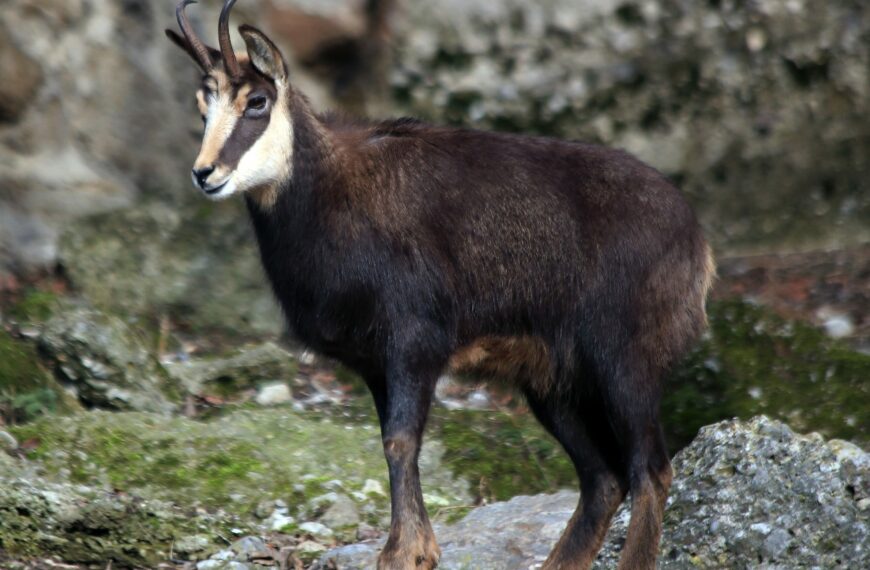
[(100, 358), (100, 113), (198, 263), (744, 495), (754, 108)]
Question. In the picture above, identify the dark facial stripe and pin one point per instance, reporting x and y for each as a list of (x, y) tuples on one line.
[(246, 132)]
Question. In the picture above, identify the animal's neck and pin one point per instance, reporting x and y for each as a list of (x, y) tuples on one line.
[(310, 164), (292, 228)]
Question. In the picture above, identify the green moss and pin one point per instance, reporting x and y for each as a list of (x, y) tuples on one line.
[(26, 389), (755, 362), (494, 451), (36, 306), (502, 455), (231, 462), (84, 525)]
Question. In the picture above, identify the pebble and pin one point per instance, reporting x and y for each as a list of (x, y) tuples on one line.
[(249, 545), (274, 394), (839, 326), (7, 442), (317, 530), (373, 487), (222, 565), (309, 549), (342, 513), (279, 522)]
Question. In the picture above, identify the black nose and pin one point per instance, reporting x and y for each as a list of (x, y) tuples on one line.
[(202, 174)]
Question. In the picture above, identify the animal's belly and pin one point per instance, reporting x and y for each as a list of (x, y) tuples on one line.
[(519, 360)]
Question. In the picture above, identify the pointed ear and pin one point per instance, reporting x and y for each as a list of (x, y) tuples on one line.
[(265, 55), (182, 42)]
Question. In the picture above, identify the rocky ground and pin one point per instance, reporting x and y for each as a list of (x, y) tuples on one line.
[(745, 495), (146, 448)]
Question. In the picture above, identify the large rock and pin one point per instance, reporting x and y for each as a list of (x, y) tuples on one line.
[(757, 109), (197, 264), (744, 495), (27, 389), (104, 362)]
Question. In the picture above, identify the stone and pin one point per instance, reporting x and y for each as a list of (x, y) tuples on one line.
[(341, 514), (83, 525), (316, 530), (716, 515), (372, 486), (197, 264), (102, 359), (7, 442), (212, 564), (309, 550), (249, 546), (280, 523), (274, 394), (191, 545)]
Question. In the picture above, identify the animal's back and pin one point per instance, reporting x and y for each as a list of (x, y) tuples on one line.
[(530, 228)]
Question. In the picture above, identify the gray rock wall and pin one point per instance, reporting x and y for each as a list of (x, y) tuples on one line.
[(757, 109)]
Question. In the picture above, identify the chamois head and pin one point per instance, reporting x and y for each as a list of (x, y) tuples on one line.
[(244, 101)]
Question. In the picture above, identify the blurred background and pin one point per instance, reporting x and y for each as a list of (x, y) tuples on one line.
[(137, 329)]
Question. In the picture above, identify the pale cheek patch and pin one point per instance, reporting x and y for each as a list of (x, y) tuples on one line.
[(268, 162)]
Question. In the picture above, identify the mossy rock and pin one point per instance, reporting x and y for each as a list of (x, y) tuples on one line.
[(227, 376), (81, 524), (27, 390), (754, 362), (196, 264), (105, 361), (231, 462)]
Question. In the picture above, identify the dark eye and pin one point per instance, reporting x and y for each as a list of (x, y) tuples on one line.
[(256, 105)]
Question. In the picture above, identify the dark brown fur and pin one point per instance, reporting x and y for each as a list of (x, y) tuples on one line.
[(571, 271)]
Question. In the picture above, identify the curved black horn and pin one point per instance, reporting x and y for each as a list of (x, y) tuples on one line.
[(229, 55), (195, 43)]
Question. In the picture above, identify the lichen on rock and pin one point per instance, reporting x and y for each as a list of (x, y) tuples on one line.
[(81, 524)]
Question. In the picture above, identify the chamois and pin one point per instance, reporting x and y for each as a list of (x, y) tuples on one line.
[(403, 249)]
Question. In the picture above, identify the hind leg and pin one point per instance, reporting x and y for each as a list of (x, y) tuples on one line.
[(602, 486), (631, 401)]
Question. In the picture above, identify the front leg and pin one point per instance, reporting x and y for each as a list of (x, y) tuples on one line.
[(404, 400)]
